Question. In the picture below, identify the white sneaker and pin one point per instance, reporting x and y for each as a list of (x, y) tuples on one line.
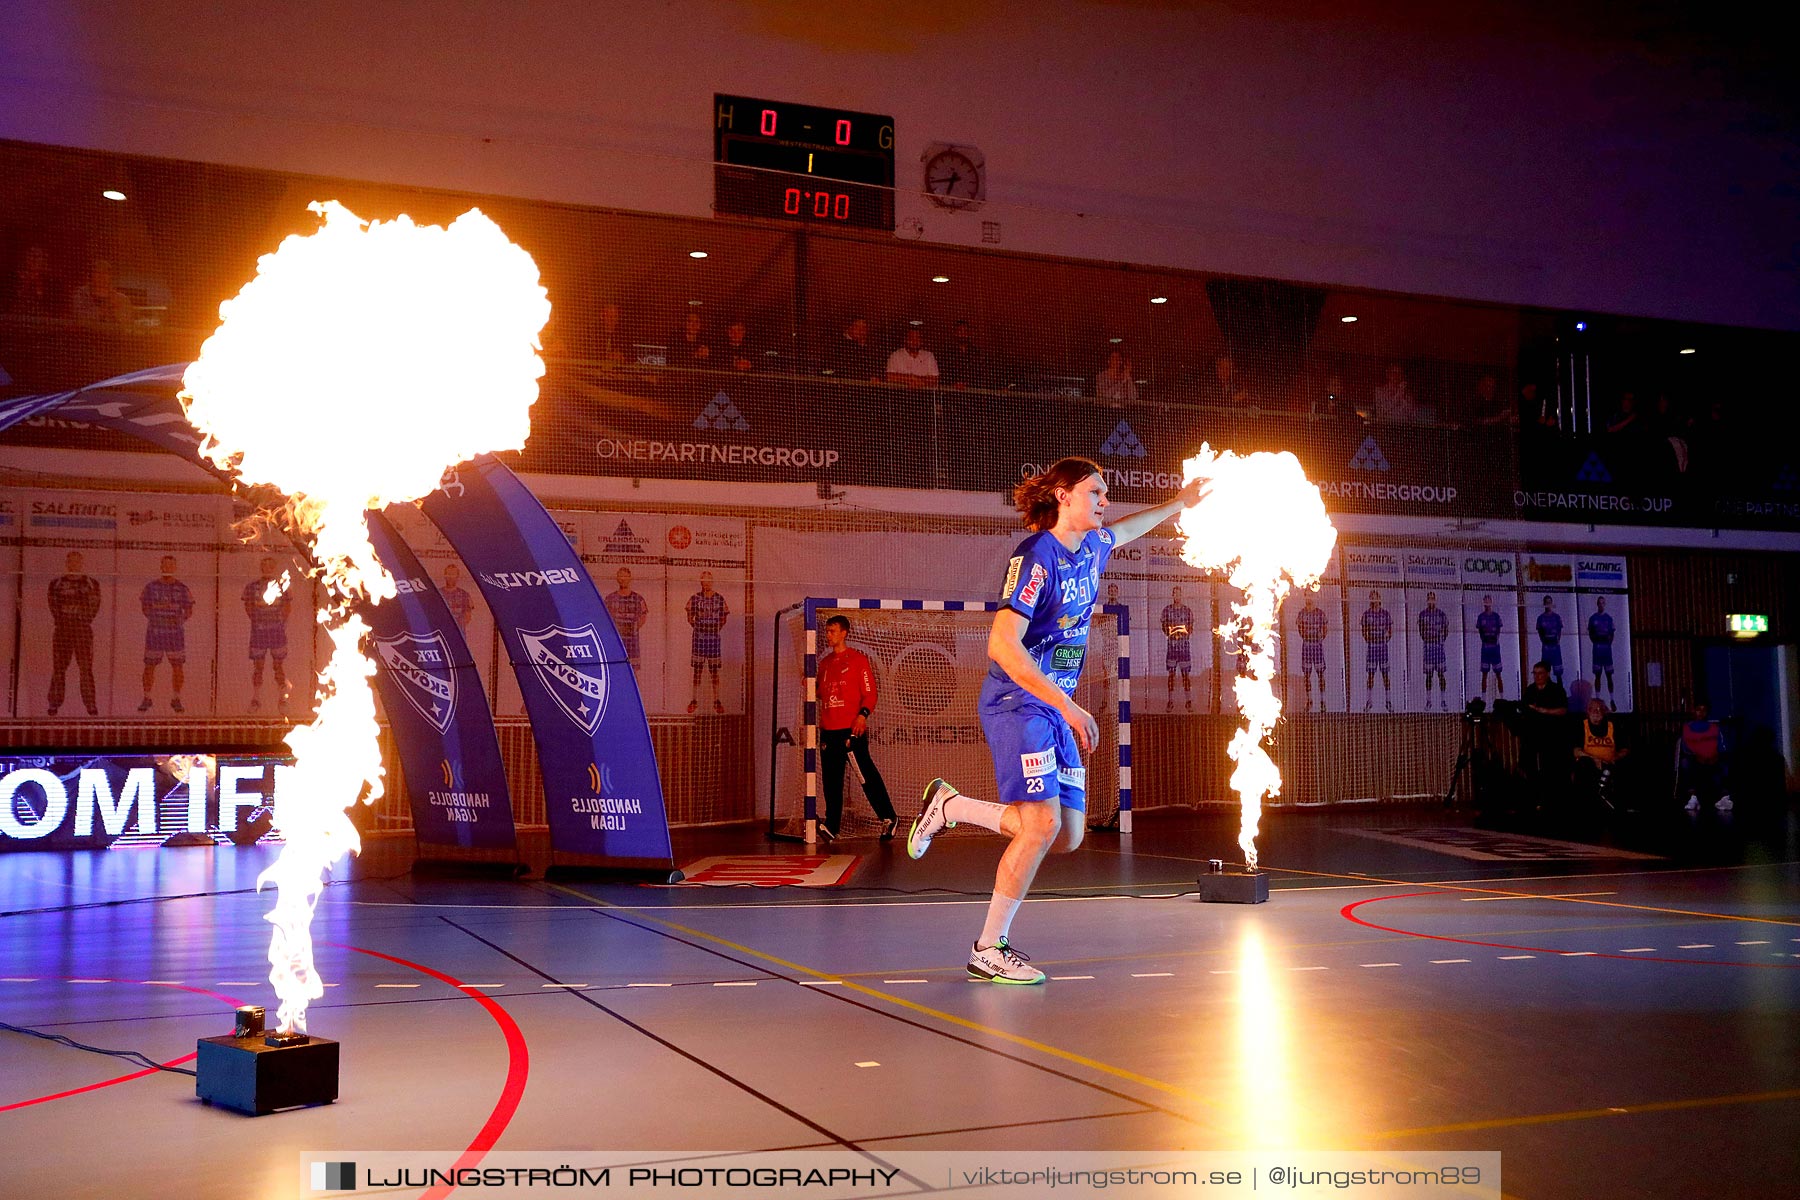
[(1000, 963), (930, 821), (1723, 804), (1693, 804)]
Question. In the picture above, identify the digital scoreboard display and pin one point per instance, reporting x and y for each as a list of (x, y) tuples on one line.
[(795, 162)]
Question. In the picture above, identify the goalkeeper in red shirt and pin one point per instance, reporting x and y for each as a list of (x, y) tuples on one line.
[(846, 699)]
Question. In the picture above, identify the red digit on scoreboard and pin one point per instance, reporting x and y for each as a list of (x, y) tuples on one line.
[(790, 201), (768, 122), (843, 133), (821, 204), (840, 207)]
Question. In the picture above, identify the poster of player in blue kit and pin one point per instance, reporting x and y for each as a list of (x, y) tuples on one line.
[(1176, 672), (1548, 624), (1603, 621), (1490, 625), (1434, 630), (1312, 635), (1374, 585)]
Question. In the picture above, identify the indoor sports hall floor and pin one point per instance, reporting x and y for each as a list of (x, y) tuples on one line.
[(1616, 1026)]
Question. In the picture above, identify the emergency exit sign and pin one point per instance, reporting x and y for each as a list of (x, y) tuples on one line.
[(1747, 622)]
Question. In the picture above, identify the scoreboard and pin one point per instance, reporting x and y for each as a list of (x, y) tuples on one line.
[(797, 162)]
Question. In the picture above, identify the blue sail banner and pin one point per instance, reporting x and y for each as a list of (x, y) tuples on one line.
[(602, 794), (455, 778)]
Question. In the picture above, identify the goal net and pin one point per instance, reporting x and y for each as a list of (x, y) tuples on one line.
[(929, 658)]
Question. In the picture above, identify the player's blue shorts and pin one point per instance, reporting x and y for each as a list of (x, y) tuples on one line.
[(1377, 657), (706, 645), (1552, 654), (1603, 657), (268, 639), (164, 639), (1035, 755), (1312, 656), (1490, 657), (1433, 658), (1181, 654)]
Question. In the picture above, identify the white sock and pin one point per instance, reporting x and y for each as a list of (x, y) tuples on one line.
[(963, 810), (999, 919)]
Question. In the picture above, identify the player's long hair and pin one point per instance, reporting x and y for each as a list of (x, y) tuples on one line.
[(1035, 498)]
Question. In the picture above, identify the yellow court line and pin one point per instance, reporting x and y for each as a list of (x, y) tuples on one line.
[(1588, 1114), (1447, 887), (1092, 1064)]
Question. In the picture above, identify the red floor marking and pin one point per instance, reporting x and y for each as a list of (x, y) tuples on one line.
[(518, 1068), (1348, 912), (173, 1062)]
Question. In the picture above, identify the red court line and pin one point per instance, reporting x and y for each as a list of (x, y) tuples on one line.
[(1348, 912), (518, 1068), (173, 1062)]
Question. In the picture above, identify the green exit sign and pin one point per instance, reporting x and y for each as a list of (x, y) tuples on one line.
[(1747, 622)]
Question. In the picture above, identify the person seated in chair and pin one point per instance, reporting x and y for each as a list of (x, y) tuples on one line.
[(1701, 764), (1599, 753)]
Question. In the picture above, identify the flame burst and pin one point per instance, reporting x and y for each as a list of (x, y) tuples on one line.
[(361, 363), (1265, 526)]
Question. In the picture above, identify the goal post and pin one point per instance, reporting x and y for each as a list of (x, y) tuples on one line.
[(929, 657)]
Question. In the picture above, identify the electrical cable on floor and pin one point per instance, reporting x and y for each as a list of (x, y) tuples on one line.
[(132, 1056)]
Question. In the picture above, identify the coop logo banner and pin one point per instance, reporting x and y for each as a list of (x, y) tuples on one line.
[(422, 667), (569, 665)]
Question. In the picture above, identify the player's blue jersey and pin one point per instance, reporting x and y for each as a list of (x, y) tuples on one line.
[(1054, 590), (1377, 625), (1487, 625), (1434, 625), (1177, 621), (1549, 628), (167, 603), (1600, 629), (1309, 623)]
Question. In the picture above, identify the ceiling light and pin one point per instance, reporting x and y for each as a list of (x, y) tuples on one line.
[(915, 321), (1115, 341), (1689, 350), (696, 254), (695, 303), (113, 194), (1159, 299), (940, 279), (1348, 320)]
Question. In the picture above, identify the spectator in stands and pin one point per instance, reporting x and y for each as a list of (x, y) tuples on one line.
[(847, 695), (1543, 748), (99, 301), (1538, 409), (961, 361), (1393, 401), (1486, 408), (1669, 448), (609, 340), (1325, 402), (690, 349), (1224, 389), (912, 365), (1626, 421), (1599, 752), (1702, 762), (858, 359), (737, 353), (1114, 382), (34, 286)]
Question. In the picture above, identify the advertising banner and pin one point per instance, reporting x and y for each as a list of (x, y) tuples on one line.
[(602, 793), (1434, 629), (77, 801), (431, 688), (1312, 636), (69, 591), (1547, 627), (1603, 617), (624, 555), (1374, 581), (1490, 607)]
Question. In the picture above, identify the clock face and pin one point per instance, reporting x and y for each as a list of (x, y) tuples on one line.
[(953, 179)]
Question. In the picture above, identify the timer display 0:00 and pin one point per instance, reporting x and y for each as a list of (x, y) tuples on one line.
[(835, 205)]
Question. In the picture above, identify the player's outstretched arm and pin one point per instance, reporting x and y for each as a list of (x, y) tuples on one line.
[(1006, 646), (1129, 529)]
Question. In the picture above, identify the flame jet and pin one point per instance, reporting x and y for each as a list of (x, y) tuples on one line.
[(360, 364), (1265, 527)]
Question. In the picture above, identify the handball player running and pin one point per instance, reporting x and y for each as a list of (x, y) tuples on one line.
[(1034, 727)]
